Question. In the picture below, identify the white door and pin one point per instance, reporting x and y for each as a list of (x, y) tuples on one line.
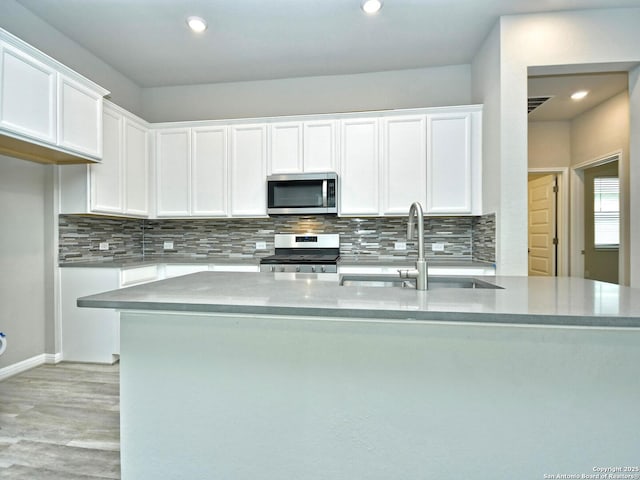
[(209, 171), (404, 163), (136, 168), (359, 168), (248, 169), (173, 152), (449, 163), (286, 147), (79, 118), (320, 146), (27, 96), (106, 177), (542, 225)]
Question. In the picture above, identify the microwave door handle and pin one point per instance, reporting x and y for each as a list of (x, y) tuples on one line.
[(324, 193)]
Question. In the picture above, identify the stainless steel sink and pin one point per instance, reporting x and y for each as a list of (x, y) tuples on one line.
[(435, 282)]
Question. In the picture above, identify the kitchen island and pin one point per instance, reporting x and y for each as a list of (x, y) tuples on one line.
[(244, 376)]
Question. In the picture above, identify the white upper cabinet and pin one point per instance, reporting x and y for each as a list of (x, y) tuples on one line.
[(79, 118), (106, 178), (209, 171), (453, 163), (297, 147), (286, 147), (404, 163), (359, 167), (136, 168), (191, 166), (320, 146), (118, 185), (173, 172), (48, 112), (248, 169), (28, 96)]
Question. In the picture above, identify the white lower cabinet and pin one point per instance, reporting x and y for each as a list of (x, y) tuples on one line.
[(93, 334), (176, 270)]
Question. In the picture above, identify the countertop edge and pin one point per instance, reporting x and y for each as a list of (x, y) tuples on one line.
[(338, 314)]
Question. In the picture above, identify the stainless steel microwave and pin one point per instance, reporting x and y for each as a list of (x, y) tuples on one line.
[(302, 193)]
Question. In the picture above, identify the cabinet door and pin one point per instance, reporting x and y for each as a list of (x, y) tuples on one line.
[(358, 183), (27, 95), (286, 147), (79, 118), (172, 170), (106, 177), (320, 146), (404, 163), (136, 168), (209, 171), (449, 171), (248, 170)]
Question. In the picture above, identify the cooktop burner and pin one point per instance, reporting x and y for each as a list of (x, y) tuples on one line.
[(303, 252)]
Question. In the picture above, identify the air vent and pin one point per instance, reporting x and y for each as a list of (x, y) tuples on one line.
[(535, 102)]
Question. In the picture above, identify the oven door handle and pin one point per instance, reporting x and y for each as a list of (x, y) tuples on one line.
[(324, 193)]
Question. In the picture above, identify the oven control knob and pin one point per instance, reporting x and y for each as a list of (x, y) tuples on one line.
[(323, 269), (313, 268), (273, 269), (298, 268)]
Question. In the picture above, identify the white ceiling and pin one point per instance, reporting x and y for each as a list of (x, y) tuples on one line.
[(147, 40), (601, 86)]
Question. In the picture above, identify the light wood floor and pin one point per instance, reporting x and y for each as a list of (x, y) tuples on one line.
[(61, 422)]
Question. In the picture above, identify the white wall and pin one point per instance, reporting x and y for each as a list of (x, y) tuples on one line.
[(561, 38), (28, 27), (601, 130), (485, 72), (634, 177), (549, 144), (23, 284), (425, 87)]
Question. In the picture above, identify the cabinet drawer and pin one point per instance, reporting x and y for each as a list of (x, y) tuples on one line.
[(137, 275)]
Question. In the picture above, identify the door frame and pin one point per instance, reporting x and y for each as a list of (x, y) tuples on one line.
[(562, 218), (577, 218)]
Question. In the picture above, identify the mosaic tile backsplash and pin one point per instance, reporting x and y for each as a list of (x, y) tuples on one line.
[(465, 238)]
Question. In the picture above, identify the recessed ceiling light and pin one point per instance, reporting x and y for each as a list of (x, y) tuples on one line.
[(197, 24), (579, 95), (371, 7)]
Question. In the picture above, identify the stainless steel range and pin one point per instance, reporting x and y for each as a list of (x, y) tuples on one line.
[(304, 253)]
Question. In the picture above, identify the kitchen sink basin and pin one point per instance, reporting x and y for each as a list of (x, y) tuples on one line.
[(435, 282)]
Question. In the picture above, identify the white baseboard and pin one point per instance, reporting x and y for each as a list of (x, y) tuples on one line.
[(53, 358), (23, 366)]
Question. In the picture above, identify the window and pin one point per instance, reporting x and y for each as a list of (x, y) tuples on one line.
[(606, 209)]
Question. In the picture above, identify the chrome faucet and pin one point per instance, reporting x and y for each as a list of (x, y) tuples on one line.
[(420, 272)]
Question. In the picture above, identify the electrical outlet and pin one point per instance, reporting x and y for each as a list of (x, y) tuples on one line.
[(261, 245), (437, 247), (168, 245), (400, 245), (104, 246)]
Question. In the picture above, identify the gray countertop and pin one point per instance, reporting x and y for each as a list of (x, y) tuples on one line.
[(565, 301), (345, 261)]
